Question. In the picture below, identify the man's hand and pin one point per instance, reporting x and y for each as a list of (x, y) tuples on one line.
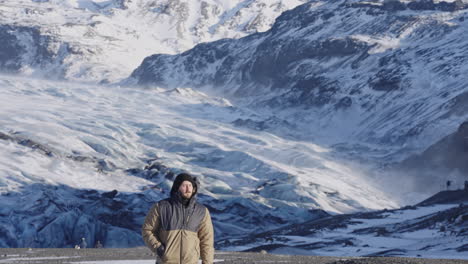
[(161, 250)]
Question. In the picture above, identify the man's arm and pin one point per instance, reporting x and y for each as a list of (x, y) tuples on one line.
[(206, 236), (149, 229)]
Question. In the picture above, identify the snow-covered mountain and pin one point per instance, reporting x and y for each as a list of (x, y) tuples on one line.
[(96, 40), (435, 228), (375, 79), (388, 75)]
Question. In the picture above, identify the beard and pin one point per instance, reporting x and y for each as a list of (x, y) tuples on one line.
[(186, 195)]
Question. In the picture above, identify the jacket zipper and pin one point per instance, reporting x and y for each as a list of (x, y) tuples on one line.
[(184, 225), (181, 233), (180, 257)]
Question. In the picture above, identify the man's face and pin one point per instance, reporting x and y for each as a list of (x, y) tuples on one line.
[(186, 189)]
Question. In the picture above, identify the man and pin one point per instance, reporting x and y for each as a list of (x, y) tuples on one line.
[(179, 229), (83, 243)]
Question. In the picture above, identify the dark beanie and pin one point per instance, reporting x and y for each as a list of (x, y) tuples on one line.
[(180, 179)]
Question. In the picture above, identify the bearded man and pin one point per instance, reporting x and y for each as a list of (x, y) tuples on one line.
[(179, 229)]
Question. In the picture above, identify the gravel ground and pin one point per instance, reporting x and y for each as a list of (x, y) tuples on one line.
[(132, 255)]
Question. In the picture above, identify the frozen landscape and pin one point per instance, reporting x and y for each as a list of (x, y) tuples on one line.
[(316, 128)]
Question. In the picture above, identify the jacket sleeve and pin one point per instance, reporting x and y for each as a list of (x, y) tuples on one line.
[(206, 236), (150, 227)]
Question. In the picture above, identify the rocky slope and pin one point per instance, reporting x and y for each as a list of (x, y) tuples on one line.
[(446, 159), (436, 227)]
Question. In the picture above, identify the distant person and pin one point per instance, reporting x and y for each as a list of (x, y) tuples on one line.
[(448, 185), (83, 243), (98, 244), (466, 186), (179, 229)]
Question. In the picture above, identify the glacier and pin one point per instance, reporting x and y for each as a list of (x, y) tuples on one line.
[(75, 142)]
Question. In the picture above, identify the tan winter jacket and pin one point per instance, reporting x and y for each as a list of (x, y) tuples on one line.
[(185, 231)]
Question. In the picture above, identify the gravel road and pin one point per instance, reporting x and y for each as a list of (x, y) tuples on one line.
[(142, 255)]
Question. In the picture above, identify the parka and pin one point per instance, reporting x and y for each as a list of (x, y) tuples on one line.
[(184, 230)]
